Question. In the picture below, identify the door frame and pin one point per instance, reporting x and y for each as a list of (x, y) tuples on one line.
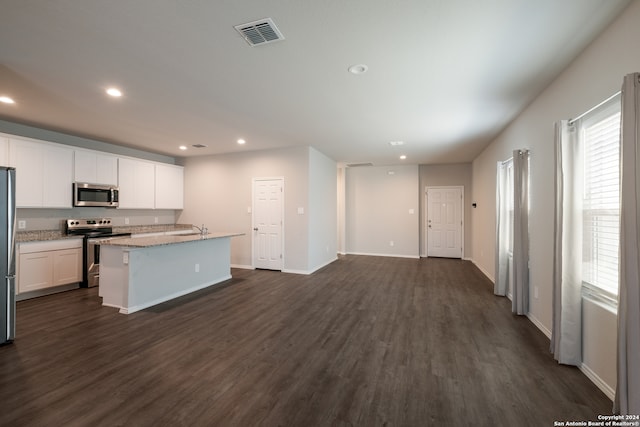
[(253, 236), (426, 216)]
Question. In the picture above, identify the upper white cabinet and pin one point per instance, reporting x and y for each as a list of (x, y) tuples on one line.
[(136, 182), (43, 173), (4, 151), (95, 167), (169, 186)]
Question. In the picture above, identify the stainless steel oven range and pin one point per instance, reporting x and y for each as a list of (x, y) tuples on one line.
[(94, 231)]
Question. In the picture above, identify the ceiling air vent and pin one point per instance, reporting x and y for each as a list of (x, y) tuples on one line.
[(260, 32), (198, 146), (357, 165)]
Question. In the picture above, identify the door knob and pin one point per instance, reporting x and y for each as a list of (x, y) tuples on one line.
[(255, 228)]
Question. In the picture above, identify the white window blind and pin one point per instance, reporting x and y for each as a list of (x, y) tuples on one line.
[(601, 201)]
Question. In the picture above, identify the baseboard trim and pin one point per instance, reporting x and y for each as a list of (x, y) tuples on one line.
[(243, 266), (603, 386), (482, 270), (165, 298), (539, 325), (385, 255)]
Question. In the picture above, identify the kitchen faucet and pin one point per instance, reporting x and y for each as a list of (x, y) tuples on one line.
[(203, 231)]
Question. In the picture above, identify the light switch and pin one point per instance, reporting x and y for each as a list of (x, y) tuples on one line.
[(249, 209), (300, 211), (125, 258), (22, 224), (411, 211)]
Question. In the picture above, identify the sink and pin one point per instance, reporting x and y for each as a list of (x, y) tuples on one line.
[(193, 233)]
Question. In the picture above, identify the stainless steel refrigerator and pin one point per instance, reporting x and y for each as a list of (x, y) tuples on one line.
[(7, 255)]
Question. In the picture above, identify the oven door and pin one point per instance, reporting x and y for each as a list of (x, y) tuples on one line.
[(92, 257), (92, 262)]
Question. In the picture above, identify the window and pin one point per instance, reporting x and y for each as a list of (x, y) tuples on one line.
[(600, 137)]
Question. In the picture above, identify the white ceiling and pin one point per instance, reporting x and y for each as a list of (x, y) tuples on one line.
[(445, 76)]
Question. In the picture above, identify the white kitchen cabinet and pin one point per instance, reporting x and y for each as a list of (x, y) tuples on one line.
[(169, 188), (4, 151), (58, 178), (28, 159), (48, 264), (95, 167), (43, 173), (136, 182)]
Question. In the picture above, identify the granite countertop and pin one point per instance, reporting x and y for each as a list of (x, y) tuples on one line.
[(42, 235), (147, 242)]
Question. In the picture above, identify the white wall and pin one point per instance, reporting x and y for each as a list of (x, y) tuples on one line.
[(322, 212), (458, 174), (377, 206), (594, 76), (218, 192)]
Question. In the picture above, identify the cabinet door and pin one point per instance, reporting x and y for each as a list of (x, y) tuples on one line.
[(58, 177), (67, 266), (145, 185), (4, 151), (106, 169), (35, 271), (136, 181), (95, 167), (126, 183), (84, 166), (169, 187), (28, 159)]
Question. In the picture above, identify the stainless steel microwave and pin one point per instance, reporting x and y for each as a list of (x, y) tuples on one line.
[(85, 194)]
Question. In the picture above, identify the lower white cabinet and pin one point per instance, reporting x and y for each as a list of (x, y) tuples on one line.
[(47, 264)]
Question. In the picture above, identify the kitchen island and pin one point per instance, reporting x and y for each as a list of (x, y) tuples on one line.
[(137, 273)]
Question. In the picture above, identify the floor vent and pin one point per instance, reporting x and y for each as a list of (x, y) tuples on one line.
[(260, 32)]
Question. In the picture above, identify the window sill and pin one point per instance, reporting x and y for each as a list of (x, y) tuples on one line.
[(598, 298)]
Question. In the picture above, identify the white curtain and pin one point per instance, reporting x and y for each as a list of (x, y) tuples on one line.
[(503, 234), (520, 300), (566, 335), (627, 400)]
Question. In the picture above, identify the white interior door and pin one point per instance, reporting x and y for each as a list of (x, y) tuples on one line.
[(268, 197), (444, 222)]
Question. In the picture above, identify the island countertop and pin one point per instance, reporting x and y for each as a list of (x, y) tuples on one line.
[(147, 242)]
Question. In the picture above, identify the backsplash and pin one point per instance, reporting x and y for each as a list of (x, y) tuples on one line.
[(54, 219)]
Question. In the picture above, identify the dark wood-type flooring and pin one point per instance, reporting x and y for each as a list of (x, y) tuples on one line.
[(366, 341)]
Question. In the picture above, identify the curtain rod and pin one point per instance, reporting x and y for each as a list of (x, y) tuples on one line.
[(572, 121)]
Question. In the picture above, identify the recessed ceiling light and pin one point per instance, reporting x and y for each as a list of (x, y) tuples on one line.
[(183, 147), (241, 141), (358, 69), (7, 100), (403, 157), (112, 91), (396, 143)]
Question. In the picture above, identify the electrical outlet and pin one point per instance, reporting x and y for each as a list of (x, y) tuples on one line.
[(155, 220), (197, 268), (391, 243), (126, 221), (22, 224)]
